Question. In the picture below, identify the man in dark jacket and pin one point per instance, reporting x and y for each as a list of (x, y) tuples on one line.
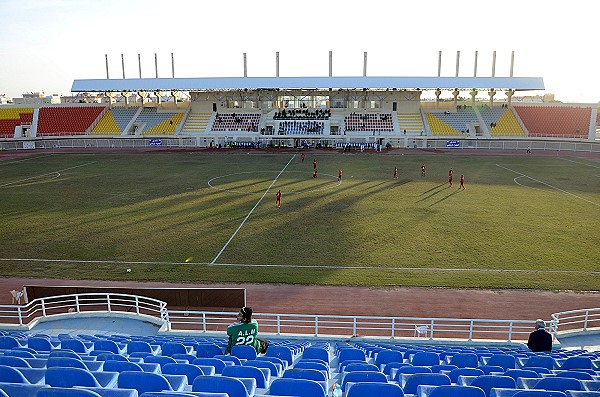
[(540, 340)]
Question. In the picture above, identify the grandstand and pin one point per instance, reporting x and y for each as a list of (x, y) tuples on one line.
[(328, 111)]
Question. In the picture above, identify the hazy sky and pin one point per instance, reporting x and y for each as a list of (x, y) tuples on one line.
[(46, 44)]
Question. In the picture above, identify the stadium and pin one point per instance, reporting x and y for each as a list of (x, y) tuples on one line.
[(139, 218)]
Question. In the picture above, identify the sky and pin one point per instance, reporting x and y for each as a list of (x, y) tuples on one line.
[(46, 44)]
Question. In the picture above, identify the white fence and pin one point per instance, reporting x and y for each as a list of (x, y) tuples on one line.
[(581, 321)]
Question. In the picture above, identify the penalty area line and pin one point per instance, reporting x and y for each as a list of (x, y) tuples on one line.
[(251, 211)]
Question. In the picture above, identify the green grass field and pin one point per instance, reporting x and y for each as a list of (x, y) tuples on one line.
[(522, 221)]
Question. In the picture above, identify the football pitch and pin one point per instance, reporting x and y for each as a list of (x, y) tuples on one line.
[(522, 221)]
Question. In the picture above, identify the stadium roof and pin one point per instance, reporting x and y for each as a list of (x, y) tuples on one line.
[(288, 83)]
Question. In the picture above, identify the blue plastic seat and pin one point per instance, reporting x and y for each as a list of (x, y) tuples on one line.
[(108, 345), (388, 356), (409, 369), (189, 370), (539, 393), (363, 376), (230, 360), (20, 389), (316, 352), (11, 375), (138, 346), (350, 354), (300, 373), (296, 387), (505, 361), (221, 384), (318, 365), (14, 362), (450, 391), (66, 392), (282, 352), (207, 350), (161, 360), (521, 373), (70, 377), (465, 360), (274, 360), (170, 348), (215, 362), (275, 369), (575, 375), (387, 368), (143, 381), (372, 389), (577, 362), (181, 394), (39, 344), (488, 369), (539, 361), (486, 382), (425, 358), (414, 380), (238, 371), (244, 352), (558, 383), (8, 342), (74, 344), (455, 373), (65, 362), (359, 367)]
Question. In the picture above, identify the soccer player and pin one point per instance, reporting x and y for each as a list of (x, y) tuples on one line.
[(423, 170), (340, 176), (302, 157), (245, 332), (278, 198), (462, 182), (450, 176), (314, 173), (315, 164), (395, 172)]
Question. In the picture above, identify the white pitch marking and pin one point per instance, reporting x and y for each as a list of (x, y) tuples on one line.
[(48, 173), (251, 211), (479, 270), (547, 184)]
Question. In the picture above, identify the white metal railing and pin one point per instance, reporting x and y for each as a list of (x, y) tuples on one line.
[(281, 324), (384, 327), (582, 320), (80, 303)]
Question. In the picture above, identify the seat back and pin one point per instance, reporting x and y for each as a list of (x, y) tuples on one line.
[(207, 350), (539, 393), (215, 362), (539, 361), (455, 373), (143, 382), (577, 362), (220, 384), (351, 353), (243, 351), (238, 371), (316, 352), (359, 367), (465, 360), (65, 362), (301, 373), (65, 392), (363, 376), (296, 387), (70, 377), (486, 382), (170, 348), (409, 369), (106, 345), (120, 366), (161, 360), (73, 344), (558, 383), (39, 344), (17, 362), (425, 358), (521, 373), (456, 391), (8, 342), (189, 370), (282, 352), (11, 375), (139, 346), (387, 356), (505, 361), (369, 389), (414, 380), (275, 369), (575, 375)]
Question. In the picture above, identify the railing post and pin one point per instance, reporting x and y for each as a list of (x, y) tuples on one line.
[(20, 315), (77, 303), (137, 305), (431, 325), (470, 330), (204, 321), (278, 324), (585, 322), (108, 302), (316, 325), (354, 326), (43, 307), (393, 327), (510, 330)]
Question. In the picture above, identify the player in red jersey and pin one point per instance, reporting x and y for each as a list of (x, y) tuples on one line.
[(450, 176), (423, 170), (340, 176), (278, 198), (314, 173), (302, 157), (315, 164), (462, 182)]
